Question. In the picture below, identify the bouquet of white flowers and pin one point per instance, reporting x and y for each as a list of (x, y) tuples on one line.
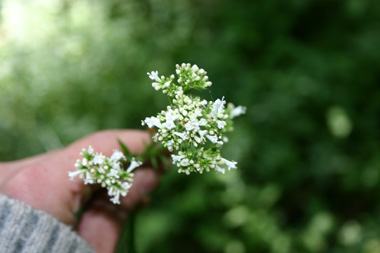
[(192, 129)]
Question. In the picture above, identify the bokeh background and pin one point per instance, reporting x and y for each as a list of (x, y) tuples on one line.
[(308, 147)]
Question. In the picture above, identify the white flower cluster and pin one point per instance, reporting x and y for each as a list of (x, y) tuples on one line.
[(192, 128), (107, 171), (189, 77)]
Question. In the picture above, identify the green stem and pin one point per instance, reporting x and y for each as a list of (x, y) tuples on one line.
[(153, 153), (127, 240), (131, 233)]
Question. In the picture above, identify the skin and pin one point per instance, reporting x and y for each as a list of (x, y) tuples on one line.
[(42, 182)]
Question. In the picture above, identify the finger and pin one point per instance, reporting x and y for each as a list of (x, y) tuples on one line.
[(144, 181), (101, 223), (7, 169), (25, 161)]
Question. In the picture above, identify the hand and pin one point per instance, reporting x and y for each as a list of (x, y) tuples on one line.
[(43, 183)]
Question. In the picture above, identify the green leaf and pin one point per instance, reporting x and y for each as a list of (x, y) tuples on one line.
[(163, 160), (125, 149), (153, 161)]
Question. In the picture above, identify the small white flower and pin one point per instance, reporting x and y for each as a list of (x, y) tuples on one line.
[(212, 138), (229, 164), (126, 186), (179, 93), (73, 174), (117, 156), (169, 124), (183, 111), (191, 125), (202, 133), (177, 158), (217, 107), (98, 159), (116, 165), (154, 76), (195, 67), (84, 162), (90, 150), (170, 117), (89, 179), (114, 173), (116, 192), (237, 111), (134, 164), (221, 124), (185, 162), (116, 199), (197, 139), (197, 113), (217, 168), (152, 121), (202, 122), (182, 135), (170, 143)]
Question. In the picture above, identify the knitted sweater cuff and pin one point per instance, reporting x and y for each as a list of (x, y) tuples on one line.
[(24, 229)]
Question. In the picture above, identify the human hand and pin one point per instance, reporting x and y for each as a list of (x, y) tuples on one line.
[(42, 183)]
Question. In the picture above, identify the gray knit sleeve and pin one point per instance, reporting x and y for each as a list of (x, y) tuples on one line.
[(24, 229)]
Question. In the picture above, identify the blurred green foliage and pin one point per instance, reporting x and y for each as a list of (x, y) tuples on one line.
[(308, 148)]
